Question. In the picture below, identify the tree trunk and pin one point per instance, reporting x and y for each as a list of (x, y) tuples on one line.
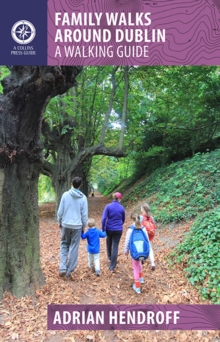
[(72, 149), (110, 105), (26, 92), (124, 111), (20, 270), (83, 171), (79, 166), (61, 177)]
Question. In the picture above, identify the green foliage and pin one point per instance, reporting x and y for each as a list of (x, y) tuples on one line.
[(167, 106), (4, 71), (109, 172), (81, 112), (200, 255), (183, 189), (45, 190), (178, 114)]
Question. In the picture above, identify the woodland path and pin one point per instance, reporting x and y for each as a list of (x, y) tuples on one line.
[(25, 319)]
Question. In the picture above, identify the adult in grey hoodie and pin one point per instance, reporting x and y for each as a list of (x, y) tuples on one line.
[(72, 216)]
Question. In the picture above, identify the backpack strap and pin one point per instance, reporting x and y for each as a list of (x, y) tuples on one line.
[(132, 226)]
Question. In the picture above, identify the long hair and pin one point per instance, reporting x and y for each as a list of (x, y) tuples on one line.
[(146, 208), (136, 218)]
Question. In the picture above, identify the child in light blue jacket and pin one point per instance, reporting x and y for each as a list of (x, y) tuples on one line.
[(92, 235)]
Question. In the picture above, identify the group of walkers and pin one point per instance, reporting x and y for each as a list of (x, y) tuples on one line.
[(73, 218)]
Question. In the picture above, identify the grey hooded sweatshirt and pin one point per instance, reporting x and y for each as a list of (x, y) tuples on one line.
[(73, 210)]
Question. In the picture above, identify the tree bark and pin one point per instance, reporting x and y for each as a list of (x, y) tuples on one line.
[(61, 177), (110, 105), (27, 90), (124, 111), (20, 253)]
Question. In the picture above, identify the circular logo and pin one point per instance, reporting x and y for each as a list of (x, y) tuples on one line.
[(23, 32)]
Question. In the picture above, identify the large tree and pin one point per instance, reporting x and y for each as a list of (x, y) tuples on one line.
[(26, 92), (77, 126)]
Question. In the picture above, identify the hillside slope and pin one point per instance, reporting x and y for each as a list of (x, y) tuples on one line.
[(181, 190), (186, 190)]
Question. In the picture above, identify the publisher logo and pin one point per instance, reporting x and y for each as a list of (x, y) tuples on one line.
[(23, 32)]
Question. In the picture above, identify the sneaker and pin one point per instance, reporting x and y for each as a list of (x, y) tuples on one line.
[(97, 273), (141, 280), (137, 290), (62, 273), (152, 268)]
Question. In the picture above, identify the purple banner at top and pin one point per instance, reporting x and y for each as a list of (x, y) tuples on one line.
[(133, 317), (133, 32)]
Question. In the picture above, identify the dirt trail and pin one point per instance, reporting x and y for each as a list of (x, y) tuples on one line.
[(26, 319)]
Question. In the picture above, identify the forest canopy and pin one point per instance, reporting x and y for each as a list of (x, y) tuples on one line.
[(160, 114)]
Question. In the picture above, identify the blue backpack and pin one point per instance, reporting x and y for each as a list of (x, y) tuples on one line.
[(138, 244)]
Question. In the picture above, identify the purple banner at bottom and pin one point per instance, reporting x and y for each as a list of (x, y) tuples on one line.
[(133, 317)]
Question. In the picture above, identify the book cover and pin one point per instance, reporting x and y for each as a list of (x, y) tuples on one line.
[(40, 42)]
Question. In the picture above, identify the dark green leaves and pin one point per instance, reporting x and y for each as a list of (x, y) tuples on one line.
[(201, 253)]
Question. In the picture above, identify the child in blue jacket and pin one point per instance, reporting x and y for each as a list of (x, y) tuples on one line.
[(92, 235)]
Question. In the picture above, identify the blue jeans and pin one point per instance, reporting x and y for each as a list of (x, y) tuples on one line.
[(69, 246), (112, 243)]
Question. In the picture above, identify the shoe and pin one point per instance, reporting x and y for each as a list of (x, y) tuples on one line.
[(141, 280), (137, 290), (112, 271), (97, 273), (152, 268), (62, 274)]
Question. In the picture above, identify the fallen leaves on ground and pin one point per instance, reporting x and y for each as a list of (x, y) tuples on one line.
[(25, 319)]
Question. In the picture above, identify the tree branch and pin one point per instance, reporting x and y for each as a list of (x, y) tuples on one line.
[(50, 136), (92, 151), (48, 169)]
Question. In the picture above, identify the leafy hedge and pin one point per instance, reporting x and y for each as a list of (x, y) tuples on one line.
[(200, 254)]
